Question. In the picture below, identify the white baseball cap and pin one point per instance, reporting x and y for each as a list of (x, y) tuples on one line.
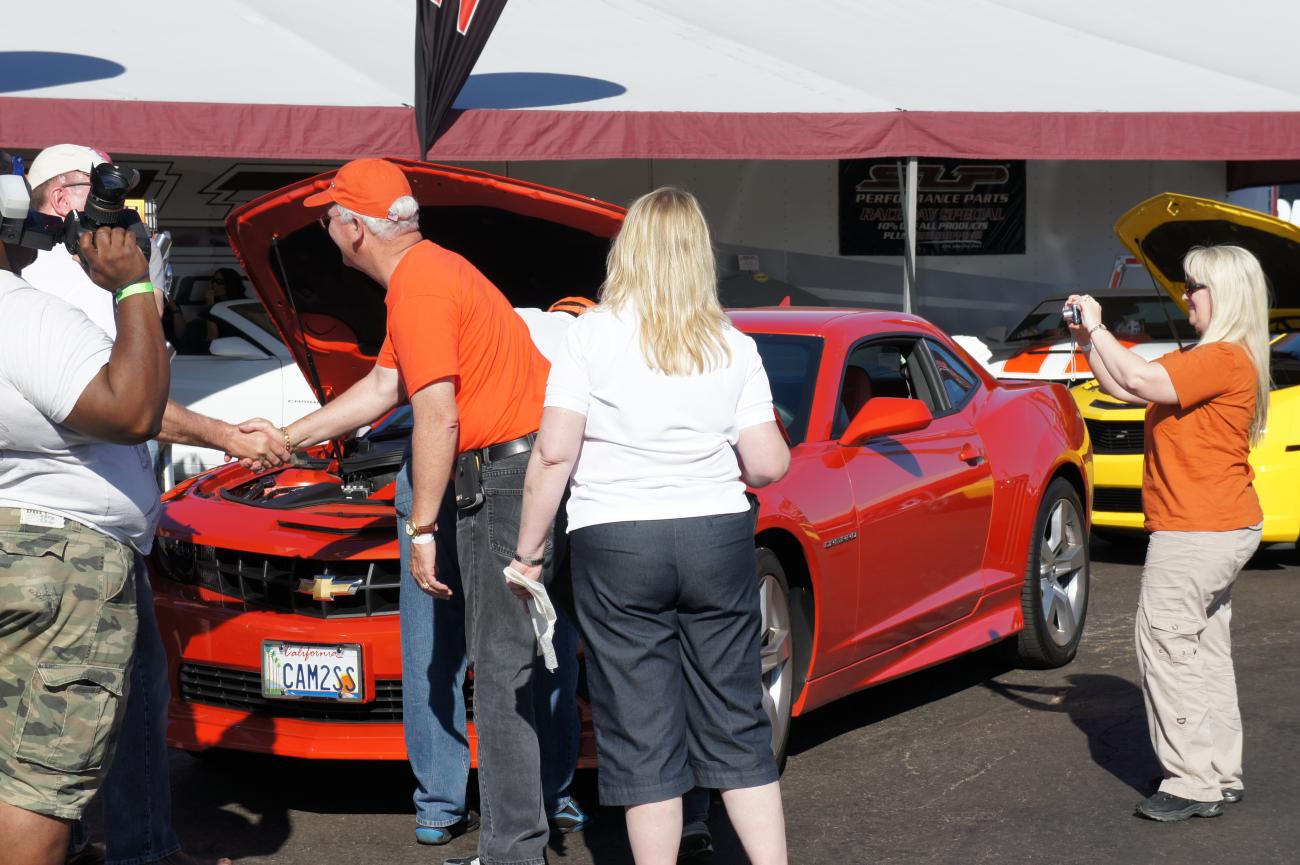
[(62, 158)]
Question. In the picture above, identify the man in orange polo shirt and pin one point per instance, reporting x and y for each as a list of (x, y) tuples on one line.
[(476, 383)]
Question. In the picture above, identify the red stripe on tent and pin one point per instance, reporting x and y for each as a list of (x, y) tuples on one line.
[(209, 129), (547, 134), (340, 132)]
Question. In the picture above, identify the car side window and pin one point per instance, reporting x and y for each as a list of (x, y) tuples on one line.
[(956, 379), (884, 367)]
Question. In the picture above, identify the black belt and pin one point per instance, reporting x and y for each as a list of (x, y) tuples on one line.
[(502, 450)]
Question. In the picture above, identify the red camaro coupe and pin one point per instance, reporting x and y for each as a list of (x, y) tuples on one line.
[(929, 509)]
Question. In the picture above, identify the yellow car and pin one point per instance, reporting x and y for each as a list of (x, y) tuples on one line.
[(1159, 231)]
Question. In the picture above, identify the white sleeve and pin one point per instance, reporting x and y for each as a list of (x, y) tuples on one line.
[(52, 353), (569, 386), (755, 403)]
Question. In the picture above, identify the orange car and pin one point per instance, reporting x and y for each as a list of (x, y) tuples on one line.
[(929, 510)]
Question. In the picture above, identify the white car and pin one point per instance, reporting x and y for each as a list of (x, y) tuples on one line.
[(1039, 347), (248, 372)]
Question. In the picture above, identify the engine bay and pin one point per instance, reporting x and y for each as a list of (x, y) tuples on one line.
[(365, 473)]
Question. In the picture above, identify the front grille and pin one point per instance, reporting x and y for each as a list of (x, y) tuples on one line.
[(242, 691), (1117, 500), (1116, 437), (274, 582)]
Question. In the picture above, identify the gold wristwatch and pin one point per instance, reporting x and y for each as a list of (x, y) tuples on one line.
[(412, 529)]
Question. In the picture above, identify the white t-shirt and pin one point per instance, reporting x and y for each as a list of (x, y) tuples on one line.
[(656, 446), (49, 353), (546, 328), (59, 273)]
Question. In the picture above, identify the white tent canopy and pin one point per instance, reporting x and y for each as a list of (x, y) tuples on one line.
[(565, 79)]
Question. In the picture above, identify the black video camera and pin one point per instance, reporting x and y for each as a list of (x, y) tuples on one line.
[(105, 207)]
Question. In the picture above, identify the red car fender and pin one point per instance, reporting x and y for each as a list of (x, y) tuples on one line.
[(1019, 480)]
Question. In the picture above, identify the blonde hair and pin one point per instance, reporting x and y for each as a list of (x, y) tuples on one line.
[(1238, 312), (661, 265)]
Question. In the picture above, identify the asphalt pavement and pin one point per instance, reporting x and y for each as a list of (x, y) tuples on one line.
[(974, 761)]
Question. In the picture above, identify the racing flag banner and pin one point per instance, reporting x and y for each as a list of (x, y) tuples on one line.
[(449, 36), (964, 207)]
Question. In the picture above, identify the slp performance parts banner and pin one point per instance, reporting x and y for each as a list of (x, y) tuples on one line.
[(964, 207), (449, 36)]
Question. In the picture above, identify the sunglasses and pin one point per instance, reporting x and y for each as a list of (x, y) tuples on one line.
[(1191, 286), (324, 220)]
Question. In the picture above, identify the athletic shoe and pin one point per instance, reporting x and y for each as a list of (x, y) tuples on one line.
[(1168, 808), (438, 835)]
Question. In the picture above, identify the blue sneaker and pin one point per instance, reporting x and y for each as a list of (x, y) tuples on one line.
[(439, 835), (570, 818), (695, 846)]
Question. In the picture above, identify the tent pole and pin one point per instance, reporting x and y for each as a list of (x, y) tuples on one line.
[(909, 234)]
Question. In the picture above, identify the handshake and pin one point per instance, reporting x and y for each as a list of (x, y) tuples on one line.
[(258, 444)]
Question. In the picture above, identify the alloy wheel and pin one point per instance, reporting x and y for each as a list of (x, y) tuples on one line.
[(777, 657), (1062, 572)]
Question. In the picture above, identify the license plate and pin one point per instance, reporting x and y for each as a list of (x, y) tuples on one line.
[(299, 671)]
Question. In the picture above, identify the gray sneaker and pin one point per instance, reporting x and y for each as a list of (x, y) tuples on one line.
[(1168, 808), (1232, 795)]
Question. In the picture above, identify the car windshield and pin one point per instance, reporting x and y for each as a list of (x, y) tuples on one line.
[(790, 361), (1284, 361), (1138, 318), (257, 314)]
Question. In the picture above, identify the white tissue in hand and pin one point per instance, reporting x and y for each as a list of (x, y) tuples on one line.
[(542, 613)]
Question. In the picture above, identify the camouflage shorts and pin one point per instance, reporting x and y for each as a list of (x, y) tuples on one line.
[(67, 631)]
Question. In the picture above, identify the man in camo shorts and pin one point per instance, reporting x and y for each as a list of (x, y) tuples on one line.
[(78, 505)]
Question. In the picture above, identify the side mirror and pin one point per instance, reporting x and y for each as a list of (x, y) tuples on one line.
[(997, 333), (235, 347), (886, 415)]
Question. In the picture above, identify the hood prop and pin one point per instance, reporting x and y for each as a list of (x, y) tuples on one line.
[(313, 375), (1161, 294)]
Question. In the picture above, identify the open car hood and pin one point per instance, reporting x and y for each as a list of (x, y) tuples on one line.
[(534, 243), (1160, 230)]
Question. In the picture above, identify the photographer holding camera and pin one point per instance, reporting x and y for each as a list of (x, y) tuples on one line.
[(1206, 408), (68, 180), (77, 509)]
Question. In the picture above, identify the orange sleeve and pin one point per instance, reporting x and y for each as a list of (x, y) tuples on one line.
[(386, 358), (1204, 372)]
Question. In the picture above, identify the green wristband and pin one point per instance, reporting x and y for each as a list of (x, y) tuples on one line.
[(136, 288)]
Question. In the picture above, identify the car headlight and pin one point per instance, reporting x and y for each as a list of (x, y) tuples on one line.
[(187, 562)]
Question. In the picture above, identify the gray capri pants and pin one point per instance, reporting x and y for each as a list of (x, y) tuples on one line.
[(669, 610)]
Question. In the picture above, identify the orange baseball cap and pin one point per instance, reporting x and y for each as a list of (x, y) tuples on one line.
[(365, 186), (572, 305)]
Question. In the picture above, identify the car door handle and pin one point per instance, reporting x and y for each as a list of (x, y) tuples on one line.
[(971, 454)]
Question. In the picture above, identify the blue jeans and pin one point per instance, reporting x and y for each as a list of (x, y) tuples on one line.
[(433, 684), (137, 791)]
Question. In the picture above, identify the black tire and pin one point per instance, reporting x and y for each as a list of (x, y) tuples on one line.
[(1120, 539), (777, 649), (1057, 563)]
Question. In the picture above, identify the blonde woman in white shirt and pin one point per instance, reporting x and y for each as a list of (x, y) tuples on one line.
[(658, 413)]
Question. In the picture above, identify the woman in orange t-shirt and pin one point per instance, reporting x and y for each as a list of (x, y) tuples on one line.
[(1206, 408)]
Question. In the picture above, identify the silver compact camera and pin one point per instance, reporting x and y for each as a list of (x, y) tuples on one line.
[(1072, 314)]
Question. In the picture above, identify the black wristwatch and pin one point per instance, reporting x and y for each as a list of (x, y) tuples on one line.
[(532, 563)]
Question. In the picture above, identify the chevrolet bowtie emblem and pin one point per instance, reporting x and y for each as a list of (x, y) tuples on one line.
[(325, 589)]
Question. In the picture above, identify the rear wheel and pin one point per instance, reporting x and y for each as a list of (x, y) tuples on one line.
[(776, 648), (1055, 595)]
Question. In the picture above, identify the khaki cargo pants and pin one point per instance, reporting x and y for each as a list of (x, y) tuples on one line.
[(67, 632), (1185, 658)]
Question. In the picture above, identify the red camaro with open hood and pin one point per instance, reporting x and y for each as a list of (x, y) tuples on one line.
[(929, 510)]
